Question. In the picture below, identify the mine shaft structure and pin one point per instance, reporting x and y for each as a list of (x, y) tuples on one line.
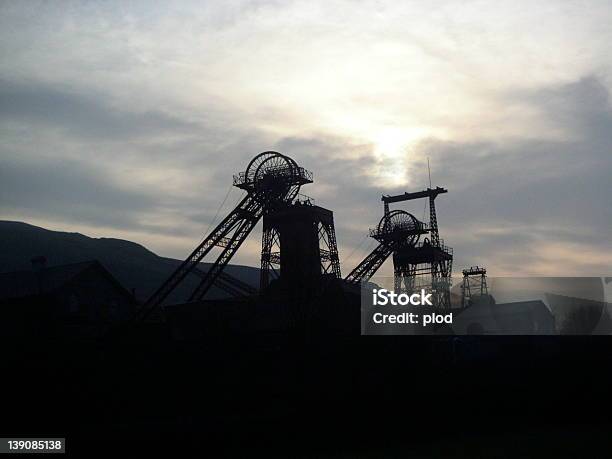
[(299, 241), (306, 234), (474, 285), (271, 181), (426, 264), (395, 230)]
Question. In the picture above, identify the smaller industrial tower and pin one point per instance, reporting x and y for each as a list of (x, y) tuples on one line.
[(474, 285), (428, 264), (417, 264), (395, 230)]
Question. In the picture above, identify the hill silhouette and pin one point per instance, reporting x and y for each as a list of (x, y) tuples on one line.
[(132, 264)]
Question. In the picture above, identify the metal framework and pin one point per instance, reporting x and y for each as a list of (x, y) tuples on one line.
[(271, 180), (328, 249), (428, 264), (270, 255), (474, 285), (229, 284), (370, 264), (395, 230), (425, 266), (416, 265), (306, 234)]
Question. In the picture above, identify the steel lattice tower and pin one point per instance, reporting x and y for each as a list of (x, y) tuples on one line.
[(474, 285), (416, 265), (426, 265), (396, 229), (307, 237), (271, 180)]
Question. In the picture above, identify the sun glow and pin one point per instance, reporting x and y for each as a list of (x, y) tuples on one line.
[(392, 148), (390, 143)]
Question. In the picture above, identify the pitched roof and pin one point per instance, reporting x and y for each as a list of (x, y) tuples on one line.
[(19, 284), (521, 317)]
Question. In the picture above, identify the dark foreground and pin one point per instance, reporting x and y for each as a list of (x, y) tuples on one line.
[(312, 395)]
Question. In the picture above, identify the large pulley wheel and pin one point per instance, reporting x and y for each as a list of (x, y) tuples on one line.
[(274, 177), (400, 226)]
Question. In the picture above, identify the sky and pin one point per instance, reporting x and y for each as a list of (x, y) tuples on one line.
[(129, 119)]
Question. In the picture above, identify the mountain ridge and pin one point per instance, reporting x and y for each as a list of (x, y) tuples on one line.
[(135, 267)]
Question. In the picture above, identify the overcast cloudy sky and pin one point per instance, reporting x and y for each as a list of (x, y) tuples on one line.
[(128, 119)]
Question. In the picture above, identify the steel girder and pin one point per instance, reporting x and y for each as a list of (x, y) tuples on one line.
[(370, 264), (270, 179)]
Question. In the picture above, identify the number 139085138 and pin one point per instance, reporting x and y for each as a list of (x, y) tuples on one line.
[(31, 445)]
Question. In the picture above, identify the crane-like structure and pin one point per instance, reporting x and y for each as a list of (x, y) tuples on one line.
[(271, 180), (428, 263), (396, 229)]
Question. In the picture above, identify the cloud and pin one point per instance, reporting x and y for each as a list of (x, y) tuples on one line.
[(509, 203), (81, 115), (70, 190), (510, 206), (134, 117), (73, 156)]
